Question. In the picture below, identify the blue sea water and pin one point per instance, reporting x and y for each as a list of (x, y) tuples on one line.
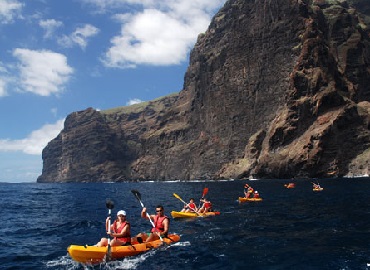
[(290, 229)]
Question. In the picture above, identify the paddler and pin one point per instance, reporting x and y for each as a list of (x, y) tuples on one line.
[(161, 225), (119, 230), (248, 191), (206, 207), (316, 186), (190, 207)]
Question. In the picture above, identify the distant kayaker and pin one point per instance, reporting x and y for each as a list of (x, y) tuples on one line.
[(256, 194), (190, 207), (206, 207), (248, 190), (290, 185), (119, 230), (161, 223), (316, 186)]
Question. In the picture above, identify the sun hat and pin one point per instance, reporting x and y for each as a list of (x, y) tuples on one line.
[(121, 212)]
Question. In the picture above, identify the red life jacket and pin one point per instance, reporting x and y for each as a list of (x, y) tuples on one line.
[(207, 205), (126, 237), (192, 206), (158, 223)]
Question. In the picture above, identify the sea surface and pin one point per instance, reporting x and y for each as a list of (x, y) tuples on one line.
[(290, 229)]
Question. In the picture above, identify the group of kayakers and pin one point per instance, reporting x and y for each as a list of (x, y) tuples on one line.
[(315, 186), (120, 230)]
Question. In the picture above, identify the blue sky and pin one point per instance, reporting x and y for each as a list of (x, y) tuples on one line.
[(58, 57)]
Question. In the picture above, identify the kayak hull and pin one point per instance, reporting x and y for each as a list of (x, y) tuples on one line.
[(176, 214), (95, 255), (317, 189), (243, 199)]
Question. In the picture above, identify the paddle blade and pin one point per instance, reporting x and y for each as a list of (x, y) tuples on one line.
[(136, 194), (177, 196), (205, 191), (109, 204)]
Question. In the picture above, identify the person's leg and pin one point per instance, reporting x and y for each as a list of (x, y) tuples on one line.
[(102, 243), (152, 237)]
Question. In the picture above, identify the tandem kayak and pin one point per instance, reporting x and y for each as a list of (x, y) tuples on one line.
[(95, 255), (175, 214), (243, 199)]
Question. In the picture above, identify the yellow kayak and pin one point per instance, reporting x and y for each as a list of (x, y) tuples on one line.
[(243, 199), (175, 214), (318, 189), (95, 255)]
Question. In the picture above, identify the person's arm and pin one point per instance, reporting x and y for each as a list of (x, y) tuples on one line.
[(107, 224), (143, 213), (166, 226)]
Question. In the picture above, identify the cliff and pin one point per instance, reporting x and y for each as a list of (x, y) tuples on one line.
[(274, 89)]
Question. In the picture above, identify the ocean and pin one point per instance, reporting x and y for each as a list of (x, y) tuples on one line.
[(290, 229)]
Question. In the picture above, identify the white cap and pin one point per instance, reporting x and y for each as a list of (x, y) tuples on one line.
[(121, 212), (256, 191)]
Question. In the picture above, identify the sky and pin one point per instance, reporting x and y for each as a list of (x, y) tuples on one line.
[(58, 57)]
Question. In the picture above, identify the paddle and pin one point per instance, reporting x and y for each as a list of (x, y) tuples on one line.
[(178, 197), (110, 205), (138, 197), (205, 191)]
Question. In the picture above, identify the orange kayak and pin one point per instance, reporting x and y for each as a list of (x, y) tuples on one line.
[(95, 255)]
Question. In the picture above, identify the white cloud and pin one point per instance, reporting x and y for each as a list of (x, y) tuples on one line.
[(9, 10), (2, 87), (42, 72), (4, 80), (160, 33), (54, 111), (34, 143), (79, 37), (50, 26), (133, 101)]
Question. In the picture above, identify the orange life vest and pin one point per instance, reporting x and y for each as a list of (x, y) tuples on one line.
[(125, 238), (158, 223)]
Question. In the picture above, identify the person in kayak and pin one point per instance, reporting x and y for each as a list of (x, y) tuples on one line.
[(248, 191), (119, 230), (316, 186), (161, 225), (190, 207), (206, 206), (256, 194)]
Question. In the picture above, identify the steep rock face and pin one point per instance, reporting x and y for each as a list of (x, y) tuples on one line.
[(322, 126), (275, 88), (87, 149)]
